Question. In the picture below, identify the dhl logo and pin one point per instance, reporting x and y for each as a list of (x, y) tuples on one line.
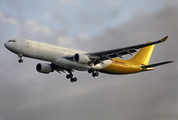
[(120, 63)]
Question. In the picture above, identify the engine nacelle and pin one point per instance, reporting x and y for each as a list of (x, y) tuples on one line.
[(44, 68), (81, 58)]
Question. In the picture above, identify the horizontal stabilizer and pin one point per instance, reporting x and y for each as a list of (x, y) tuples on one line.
[(156, 64)]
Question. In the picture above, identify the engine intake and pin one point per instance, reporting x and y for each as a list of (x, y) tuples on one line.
[(44, 68), (81, 58)]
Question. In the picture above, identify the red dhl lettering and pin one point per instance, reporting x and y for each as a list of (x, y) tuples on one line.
[(120, 63)]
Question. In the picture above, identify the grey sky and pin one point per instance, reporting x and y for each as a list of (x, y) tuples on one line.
[(26, 94)]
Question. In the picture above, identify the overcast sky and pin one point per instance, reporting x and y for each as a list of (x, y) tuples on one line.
[(89, 25)]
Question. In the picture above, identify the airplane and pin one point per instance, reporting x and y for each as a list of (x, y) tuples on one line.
[(67, 60)]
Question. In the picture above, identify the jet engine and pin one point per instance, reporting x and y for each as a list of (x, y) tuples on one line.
[(81, 58), (44, 68)]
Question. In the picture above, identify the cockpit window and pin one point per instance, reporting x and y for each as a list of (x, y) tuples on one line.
[(11, 41)]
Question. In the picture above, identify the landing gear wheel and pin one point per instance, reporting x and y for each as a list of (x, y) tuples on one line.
[(69, 76), (20, 60), (73, 79), (94, 74), (90, 70), (20, 56)]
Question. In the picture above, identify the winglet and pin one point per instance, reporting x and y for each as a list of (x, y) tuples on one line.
[(164, 39)]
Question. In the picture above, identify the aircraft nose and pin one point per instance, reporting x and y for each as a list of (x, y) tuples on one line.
[(13, 46), (6, 44)]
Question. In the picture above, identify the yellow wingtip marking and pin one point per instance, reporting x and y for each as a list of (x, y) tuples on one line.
[(164, 39)]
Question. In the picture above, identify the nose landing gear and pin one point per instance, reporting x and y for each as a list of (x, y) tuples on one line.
[(20, 56), (20, 60)]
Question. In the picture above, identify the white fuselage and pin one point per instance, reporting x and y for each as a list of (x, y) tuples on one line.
[(50, 53)]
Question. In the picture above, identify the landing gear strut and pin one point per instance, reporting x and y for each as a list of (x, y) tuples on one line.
[(70, 76), (94, 72), (20, 56)]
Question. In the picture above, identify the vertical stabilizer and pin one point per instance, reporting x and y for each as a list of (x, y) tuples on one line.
[(144, 55)]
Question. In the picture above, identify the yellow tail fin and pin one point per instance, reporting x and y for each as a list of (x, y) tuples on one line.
[(144, 55)]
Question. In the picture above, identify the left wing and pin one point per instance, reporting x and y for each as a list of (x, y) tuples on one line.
[(98, 57)]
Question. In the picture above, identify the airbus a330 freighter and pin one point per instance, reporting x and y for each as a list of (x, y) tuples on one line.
[(67, 60)]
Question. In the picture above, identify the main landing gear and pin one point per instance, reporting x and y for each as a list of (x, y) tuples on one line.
[(20, 56), (94, 72), (70, 76)]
